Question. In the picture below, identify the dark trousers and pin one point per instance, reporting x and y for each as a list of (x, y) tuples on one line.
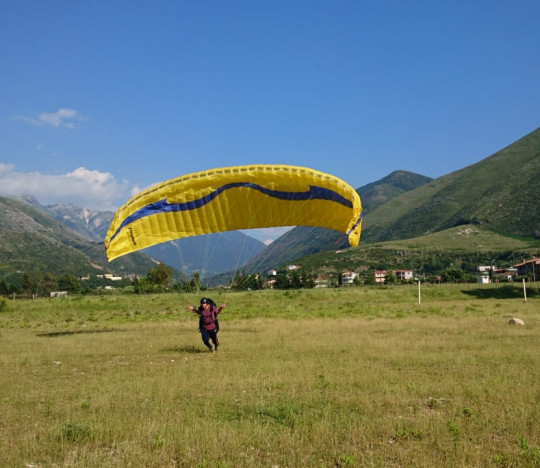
[(209, 335)]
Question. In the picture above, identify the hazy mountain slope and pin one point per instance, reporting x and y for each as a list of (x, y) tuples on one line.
[(92, 224), (301, 241), (208, 254), (30, 239), (499, 192)]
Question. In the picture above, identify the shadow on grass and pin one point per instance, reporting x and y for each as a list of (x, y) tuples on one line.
[(75, 332), (503, 292), (184, 349)]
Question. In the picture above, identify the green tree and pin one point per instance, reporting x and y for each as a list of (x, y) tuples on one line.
[(70, 283), (390, 278), (49, 283), (370, 280), (141, 286), (295, 280), (4, 288), (242, 282), (453, 275), (161, 275), (195, 283), (29, 284), (308, 280), (282, 281)]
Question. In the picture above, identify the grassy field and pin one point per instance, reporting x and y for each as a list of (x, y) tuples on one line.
[(316, 378)]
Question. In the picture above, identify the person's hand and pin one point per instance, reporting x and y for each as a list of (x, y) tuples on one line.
[(223, 305), (191, 307)]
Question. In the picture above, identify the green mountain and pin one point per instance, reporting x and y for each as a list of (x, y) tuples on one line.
[(499, 193), (30, 240)]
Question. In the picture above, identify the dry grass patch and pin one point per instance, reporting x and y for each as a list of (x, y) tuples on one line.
[(447, 383)]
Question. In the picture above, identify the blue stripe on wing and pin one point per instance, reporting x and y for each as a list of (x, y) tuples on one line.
[(162, 206)]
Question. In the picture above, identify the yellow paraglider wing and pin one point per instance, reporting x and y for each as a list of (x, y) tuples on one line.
[(231, 198)]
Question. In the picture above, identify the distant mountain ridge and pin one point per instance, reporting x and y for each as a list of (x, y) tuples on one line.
[(500, 193), (91, 224)]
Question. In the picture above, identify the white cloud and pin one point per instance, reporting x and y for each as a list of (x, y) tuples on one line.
[(83, 187), (89, 189), (66, 118)]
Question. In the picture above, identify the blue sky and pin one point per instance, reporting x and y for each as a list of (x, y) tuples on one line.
[(102, 99)]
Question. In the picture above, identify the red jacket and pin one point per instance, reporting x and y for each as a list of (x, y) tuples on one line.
[(207, 317)]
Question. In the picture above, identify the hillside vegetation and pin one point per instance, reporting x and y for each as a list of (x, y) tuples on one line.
[(499, 193), (32, 240), (463, 247)]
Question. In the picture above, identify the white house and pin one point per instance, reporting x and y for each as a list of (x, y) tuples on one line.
[(403, 275), (58, 293), (482, 273), (347, 277)]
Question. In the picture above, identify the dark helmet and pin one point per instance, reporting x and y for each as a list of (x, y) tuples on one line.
[(205, 300)]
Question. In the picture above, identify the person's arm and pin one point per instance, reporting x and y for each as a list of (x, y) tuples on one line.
[(221, 307)]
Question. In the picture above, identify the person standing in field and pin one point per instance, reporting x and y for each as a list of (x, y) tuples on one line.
[(208, 322)]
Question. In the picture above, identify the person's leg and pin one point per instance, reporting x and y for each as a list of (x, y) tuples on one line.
[(206, 338), (214, 338)]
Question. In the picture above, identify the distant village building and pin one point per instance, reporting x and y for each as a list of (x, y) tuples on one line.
[(486, 274), (403, 275), (529, 267), (322, 282), (109, 276), (58, 293), (347, 277), (483, 278), (293, 267), (272, 273), (380, 276), (483, 275), (506, 273)]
